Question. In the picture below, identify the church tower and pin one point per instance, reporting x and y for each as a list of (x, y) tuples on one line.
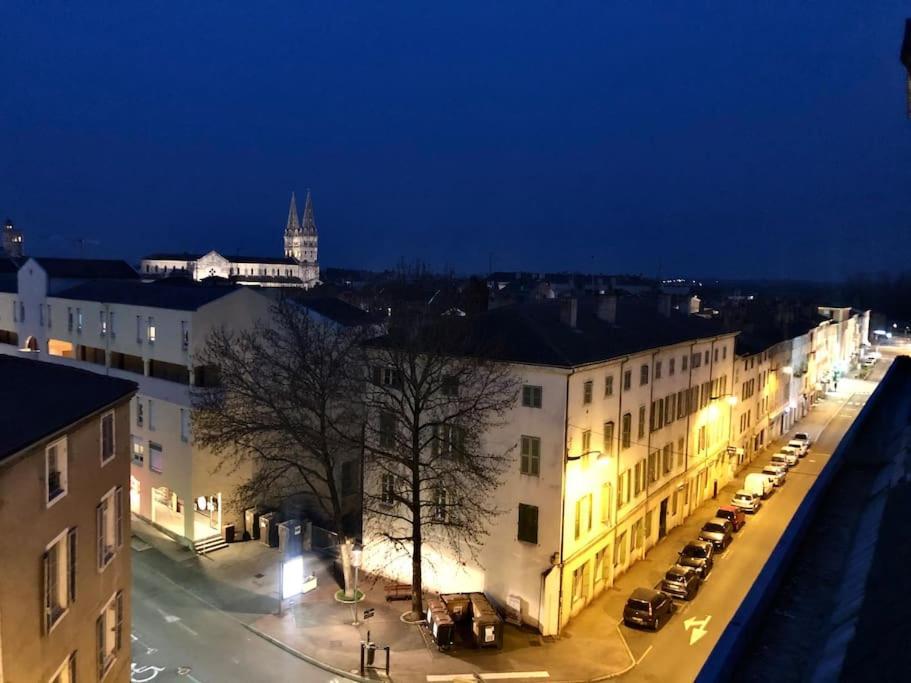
[(301, 239), (292, 231)]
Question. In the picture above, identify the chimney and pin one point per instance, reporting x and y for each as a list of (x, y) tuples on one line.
[(664, 305), (569, 309), (607, 308)]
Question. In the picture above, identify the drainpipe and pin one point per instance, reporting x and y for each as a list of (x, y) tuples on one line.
[(563, 497)]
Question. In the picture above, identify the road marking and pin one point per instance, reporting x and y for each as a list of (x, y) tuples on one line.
[(639, 661), (144, 674), (498, 676), (187, 628), (698, 626), (728, 553)]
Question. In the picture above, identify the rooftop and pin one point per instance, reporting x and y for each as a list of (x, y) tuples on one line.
[(181, 297), (42, 398), (337, 311), (172, 256), (86, 268)]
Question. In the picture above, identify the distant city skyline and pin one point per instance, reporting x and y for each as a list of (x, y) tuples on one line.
[(675, 138)]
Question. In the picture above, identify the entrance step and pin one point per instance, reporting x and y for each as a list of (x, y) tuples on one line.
[(203, 546)]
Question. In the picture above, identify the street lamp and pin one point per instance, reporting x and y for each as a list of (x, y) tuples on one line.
[(356, 563)]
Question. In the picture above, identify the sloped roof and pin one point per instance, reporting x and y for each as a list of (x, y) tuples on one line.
[(181, 297), (42, 398), (172, 256), (284, 260), (86, 268), (337, 311)]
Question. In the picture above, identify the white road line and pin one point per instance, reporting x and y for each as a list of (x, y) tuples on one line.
[(497, 676), (639, 661), (187, 628)]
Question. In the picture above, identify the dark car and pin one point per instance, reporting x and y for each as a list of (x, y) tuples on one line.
[(733, 514), (719, 531), (700, 555), (649, 608), (681, 582)]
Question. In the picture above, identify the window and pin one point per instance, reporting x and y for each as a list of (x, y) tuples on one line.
[(586, 441), (583, 515), (102, 324), (623, 489), (21, 312), (724, 353), (109, 518), (111, 328), (627, 379), (641, 431), (636, 536), (609, 385), (387, 491), (606, 504), (79, 320), (156, 457), (138, 450), (59, 577), (620, 550), (151, 415), (450, 386), (109, 633), (528, 523), (706, 356), (139, 329), (150, 330), (681, 447), (107, 437), (643, 375), (140, 412), (184, 424), (608, 445), (440, 505), (697, 360), (667, 457), (530, 460), (531, 396), (448, 441), (67, 671), (69, 319), (657, 369), (653, 466), (626, 428), (55, 461), (587, 392), (701, 439), (184, 335), (639, 478), (715, 356), (648, 523), (683, 362), (599, 564), (387, 377), (387, 430), (670, 366)]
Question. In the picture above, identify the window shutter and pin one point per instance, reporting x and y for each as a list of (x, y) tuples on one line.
[(118, 626), (46, 560), (118, 515), (99, 528), (377, 375), (99, 634), (71, 559)]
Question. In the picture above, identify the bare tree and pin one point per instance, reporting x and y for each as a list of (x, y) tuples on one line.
[(429, 405), (282, 405)]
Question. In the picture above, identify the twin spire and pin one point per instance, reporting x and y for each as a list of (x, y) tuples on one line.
[(307, 224)]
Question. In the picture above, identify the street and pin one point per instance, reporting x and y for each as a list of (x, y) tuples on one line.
[(177, 636), (678, 651)]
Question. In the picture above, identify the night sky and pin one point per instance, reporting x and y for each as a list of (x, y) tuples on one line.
[(671, 137)]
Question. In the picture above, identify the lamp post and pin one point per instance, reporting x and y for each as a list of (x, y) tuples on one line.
[(356, 563)]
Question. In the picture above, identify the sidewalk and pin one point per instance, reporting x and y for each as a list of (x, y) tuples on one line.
[(243, 581)]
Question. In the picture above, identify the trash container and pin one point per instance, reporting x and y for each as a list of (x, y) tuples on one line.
[(251, 523), (268, 529), (457, 604), (442, 628), (229, 533), (433, 605), (289, 538), (486, 625)]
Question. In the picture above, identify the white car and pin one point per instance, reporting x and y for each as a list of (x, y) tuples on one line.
[(783, 459), (790, 451), (802, 436), (869, 362), (800, 446), (746, 501), (777, 474)]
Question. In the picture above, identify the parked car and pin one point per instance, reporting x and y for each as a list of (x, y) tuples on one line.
[(759, 484), (746, 501), (803, 436), (649, 608), (718, 531), (777, 474), (869, 362), (791, 452), (783, 459), (700, 555), (800, 446), (681, 582), (733, 514)]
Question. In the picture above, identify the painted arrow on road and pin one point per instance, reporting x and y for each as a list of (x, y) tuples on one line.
[(698, 626)]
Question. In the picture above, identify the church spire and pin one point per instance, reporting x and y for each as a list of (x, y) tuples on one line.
[(293, 224), (308, 224)]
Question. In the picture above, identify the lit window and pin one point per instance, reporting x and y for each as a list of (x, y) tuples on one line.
[(150, 330), (107, 437), (79, 320), (109, 633), (59, 577), (387, 495), (109, 518), (138, 451), (103, 323), (56, 471), (440, 505)]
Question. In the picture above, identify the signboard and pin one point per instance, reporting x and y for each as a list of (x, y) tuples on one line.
[(292, 577)]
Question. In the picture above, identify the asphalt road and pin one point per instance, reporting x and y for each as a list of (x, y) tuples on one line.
[(178, 637), (678, 651)]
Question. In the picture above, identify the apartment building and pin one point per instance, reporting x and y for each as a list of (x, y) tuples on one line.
[(621, 430), (148, 333), (65, 575)]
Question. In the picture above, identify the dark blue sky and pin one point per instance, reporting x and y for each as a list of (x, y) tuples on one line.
[(695, 137)]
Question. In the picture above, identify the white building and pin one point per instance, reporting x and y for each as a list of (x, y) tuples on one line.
[(11, 240), (90, 314), (620, 432), (299, 267)]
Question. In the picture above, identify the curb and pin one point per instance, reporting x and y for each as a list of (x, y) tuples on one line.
[(307, 658)]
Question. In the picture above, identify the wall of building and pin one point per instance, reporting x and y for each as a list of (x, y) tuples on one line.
[(29, 654)]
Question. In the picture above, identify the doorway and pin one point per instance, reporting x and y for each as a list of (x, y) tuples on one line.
[(662, 519)]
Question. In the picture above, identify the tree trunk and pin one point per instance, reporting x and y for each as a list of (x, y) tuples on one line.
[(417, 592), (347, 569)]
